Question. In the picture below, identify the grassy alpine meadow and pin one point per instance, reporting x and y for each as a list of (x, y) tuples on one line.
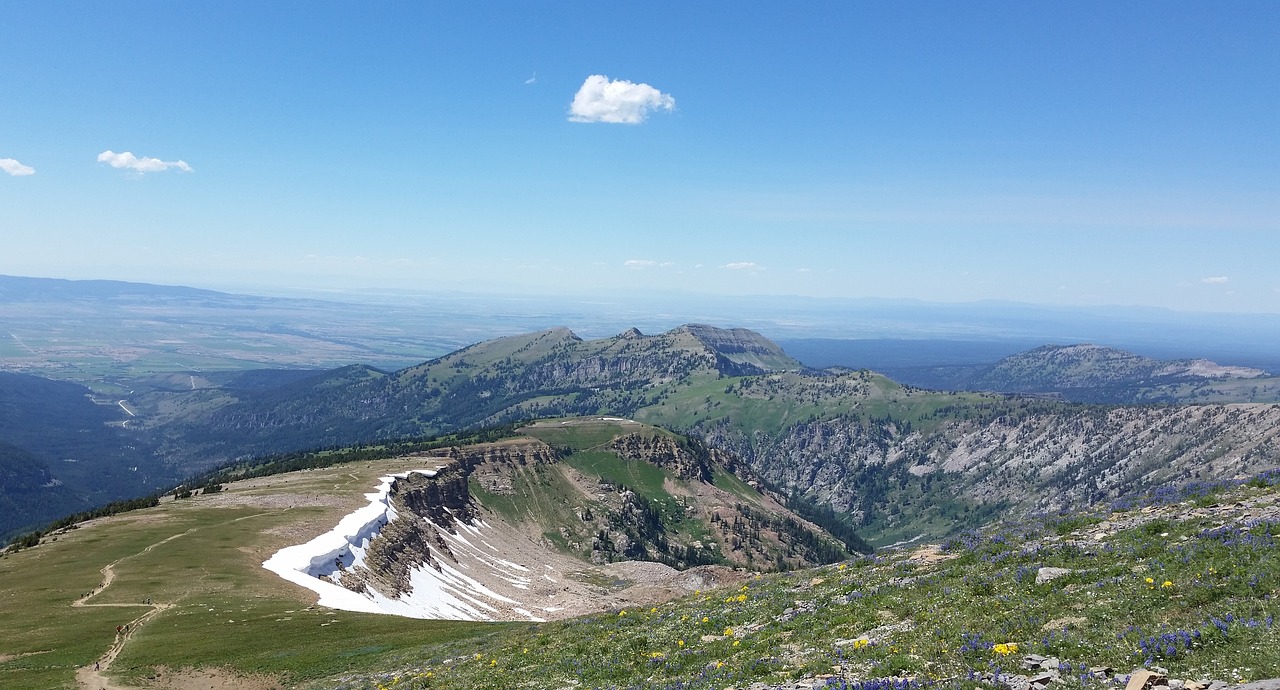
[(195, 565), (772, 401), (1188, 587)]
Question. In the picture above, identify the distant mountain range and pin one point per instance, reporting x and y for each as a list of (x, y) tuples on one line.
[(1093, 373), (103, 331)]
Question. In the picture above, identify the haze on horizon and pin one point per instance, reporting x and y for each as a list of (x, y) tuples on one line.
[(1074, 154)]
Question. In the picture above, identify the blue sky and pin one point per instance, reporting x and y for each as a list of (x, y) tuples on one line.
[(1069, 153)]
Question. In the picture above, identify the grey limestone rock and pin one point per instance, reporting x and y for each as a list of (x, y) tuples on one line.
[(1269, 684), (1046, 574)]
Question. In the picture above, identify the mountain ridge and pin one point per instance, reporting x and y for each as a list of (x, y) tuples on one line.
[(1102, 374)]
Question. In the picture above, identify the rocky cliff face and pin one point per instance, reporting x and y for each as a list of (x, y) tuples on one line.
[(1036, 462), (687, 461), (424, 506), (427, 508)]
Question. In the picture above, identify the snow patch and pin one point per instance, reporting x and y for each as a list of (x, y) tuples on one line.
[(446, 593)]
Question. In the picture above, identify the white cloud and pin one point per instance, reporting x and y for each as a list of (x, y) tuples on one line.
[(533, 79), (1214, 280), (601, 100), (15, 168), (742, 265), (129, 161), (647, 263)]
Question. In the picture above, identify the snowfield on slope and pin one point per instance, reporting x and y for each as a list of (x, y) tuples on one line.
[(447, 594)]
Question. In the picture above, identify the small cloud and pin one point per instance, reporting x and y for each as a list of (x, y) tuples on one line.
[(742, 265), (619, 101), (1214, 280), (15, 168), (129, 161), (647, 263), (803, 270), (533, 79)]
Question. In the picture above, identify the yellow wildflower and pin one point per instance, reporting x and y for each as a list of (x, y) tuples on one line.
[(1167, 585), (1005, 648)]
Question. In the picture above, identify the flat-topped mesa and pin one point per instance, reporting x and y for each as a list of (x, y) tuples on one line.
[(740, 346)]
